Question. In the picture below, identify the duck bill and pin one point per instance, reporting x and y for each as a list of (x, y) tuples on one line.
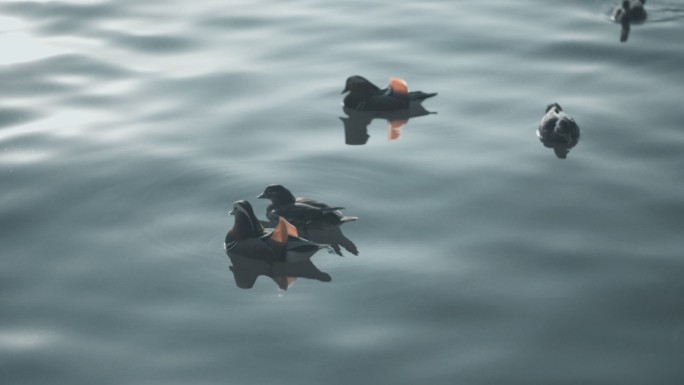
[(231, 212), (261, 196), (346, 89)]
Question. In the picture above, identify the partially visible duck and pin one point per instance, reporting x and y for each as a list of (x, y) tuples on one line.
[(366, 96), (282, 243), (630, 11), (558, 130), (300, 211)]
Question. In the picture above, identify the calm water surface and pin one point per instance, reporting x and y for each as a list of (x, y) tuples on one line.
[(128, 128)]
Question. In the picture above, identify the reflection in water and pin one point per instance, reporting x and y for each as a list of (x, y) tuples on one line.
[(624, 32), (329, 234), (316, 221), (278, 253), (247, 268), (356, 122), (558, 130)]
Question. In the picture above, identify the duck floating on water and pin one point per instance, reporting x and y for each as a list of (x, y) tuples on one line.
[(314, 220), (630, 10), (558, 130), (279, 253), (300, 211), (366, 96)]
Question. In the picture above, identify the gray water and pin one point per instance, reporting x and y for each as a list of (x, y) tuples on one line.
[(128, 128)]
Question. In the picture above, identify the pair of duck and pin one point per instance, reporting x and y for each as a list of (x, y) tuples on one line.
[(557, 128), (282, 242)]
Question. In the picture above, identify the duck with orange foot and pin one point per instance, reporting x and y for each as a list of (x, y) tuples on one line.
[(366, 96)]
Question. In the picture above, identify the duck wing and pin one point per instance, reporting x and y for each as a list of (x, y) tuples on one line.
[(317, 204)]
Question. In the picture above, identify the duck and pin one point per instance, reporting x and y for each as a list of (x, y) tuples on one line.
[(630, 11), (282, 243), (300, 211), (559, 130), (366, 96)]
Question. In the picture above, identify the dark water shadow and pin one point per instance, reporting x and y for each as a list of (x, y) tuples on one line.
[(356, 122), (148, 43), (11, 117)]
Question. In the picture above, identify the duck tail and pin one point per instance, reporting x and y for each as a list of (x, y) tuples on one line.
[(420, 95), (346, 219)]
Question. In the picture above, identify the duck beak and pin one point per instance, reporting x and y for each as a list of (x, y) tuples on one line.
[(231, 212), (261, 196), (346, 89)]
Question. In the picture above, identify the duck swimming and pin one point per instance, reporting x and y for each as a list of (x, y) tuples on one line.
[(366, 96), (300, 211), (249, 238), (558, 130), (630, 11)]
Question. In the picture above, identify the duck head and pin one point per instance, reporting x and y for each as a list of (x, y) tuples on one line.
[(555, 107), (359, 84), (278, 194), (246, 223)]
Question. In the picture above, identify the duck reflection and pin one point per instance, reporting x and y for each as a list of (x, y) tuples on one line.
[(246, 269), (624, 32), (356, 122), (316, 221), (329, 234), (558, 130), (278, 253)]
